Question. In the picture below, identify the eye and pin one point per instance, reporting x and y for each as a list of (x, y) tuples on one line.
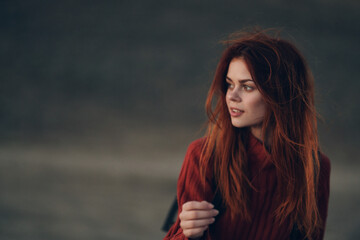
[(229, 85), (248, 88)]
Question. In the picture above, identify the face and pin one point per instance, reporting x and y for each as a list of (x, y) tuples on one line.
[(244, 101)]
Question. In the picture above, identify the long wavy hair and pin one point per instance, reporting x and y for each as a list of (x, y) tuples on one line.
[(283, 78)]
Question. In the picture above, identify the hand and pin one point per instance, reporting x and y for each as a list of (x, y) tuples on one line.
[(196, 217)]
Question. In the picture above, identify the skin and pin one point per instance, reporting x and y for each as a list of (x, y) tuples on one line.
[(196, 217), (243, 95), (247, 109)]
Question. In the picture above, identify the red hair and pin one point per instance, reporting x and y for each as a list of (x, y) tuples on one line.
[(286, 84)]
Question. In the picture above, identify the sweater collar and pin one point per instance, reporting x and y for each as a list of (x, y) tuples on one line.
[(257, 153)]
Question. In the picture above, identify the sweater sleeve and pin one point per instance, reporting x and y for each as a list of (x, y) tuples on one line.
[(190, 186), (324, 191)]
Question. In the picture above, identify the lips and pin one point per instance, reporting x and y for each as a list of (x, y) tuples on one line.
[(235, 112)]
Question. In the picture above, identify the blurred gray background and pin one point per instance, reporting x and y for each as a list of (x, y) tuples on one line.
[(100, 99)]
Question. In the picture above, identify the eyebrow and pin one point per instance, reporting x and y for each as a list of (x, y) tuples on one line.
[(241, 81)]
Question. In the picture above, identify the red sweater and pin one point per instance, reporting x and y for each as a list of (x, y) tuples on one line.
[(263, 202)]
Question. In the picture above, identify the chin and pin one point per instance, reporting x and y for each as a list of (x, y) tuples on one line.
[(241, 124), (238, 124)]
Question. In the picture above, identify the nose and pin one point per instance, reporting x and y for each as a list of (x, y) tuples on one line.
[(233, 95)]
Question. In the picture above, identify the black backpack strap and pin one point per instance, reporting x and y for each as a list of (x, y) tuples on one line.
[(171, 216), (217, 200), (296, 234)]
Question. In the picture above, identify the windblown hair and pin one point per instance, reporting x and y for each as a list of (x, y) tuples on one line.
[(283, 78)]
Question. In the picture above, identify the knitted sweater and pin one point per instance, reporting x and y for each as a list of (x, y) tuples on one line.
[(263, 202)]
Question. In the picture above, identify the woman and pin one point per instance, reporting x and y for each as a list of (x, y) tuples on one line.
[(258, 173)]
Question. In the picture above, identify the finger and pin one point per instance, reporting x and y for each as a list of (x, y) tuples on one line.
[(187, 224), (194, 232), (198, 214), (195, 205)]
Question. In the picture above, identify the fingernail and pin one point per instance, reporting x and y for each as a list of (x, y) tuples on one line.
[(211, 205), (216, 212), (213, 220)]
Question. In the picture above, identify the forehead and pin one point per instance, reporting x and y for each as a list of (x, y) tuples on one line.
[(238, 70)]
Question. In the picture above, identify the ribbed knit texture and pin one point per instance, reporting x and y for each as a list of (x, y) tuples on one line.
[(263, 201)]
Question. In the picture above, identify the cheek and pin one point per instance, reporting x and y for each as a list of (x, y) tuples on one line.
[(258, 106)]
